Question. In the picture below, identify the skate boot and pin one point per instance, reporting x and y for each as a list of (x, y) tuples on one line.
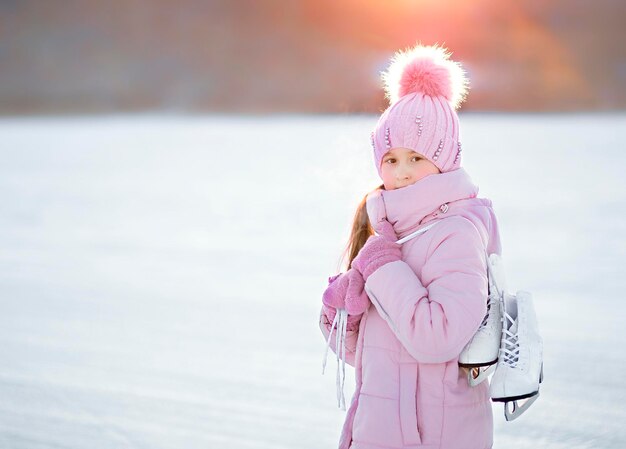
[(519, 370), (481, 353)]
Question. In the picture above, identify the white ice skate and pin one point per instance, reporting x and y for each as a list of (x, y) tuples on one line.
[(481, 353), (519, 370)]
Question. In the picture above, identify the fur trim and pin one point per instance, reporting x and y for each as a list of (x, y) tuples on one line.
[(427, 70)]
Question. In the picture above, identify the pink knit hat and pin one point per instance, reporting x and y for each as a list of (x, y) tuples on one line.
[(424, 88)]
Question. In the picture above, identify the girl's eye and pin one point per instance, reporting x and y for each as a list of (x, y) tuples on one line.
[(390, 159), (416, 157)]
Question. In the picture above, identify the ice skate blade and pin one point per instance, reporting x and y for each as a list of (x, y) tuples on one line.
[(518, 410), (483, 373), (515, 398), (478, 364)]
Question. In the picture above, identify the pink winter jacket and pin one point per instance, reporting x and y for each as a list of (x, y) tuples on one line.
[(410, 391)]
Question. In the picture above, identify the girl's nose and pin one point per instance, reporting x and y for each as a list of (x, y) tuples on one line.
[(403, 175)]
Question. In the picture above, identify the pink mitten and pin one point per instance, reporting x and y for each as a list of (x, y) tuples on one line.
[(346, 291), (356, 299), (378, 251), (335, 293)]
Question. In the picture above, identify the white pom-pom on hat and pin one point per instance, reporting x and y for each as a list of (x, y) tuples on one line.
[(427, 69)]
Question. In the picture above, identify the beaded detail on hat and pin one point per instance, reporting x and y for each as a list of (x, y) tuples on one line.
[(418, 120), (438, 151), (373, 142), (458, 152), (387, 141)]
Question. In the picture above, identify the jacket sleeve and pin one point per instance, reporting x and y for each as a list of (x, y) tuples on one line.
[(327, 315), (436, 316)]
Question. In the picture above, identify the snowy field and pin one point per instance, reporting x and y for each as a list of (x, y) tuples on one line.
[(160, 277)]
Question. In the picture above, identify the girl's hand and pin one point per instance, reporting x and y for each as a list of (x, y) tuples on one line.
[(378, 251), (356, 300), (335, 293), (346, 291)]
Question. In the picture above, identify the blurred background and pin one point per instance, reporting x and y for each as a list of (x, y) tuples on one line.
[(178, 180), (302, 56)]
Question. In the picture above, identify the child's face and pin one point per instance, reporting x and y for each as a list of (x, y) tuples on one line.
[(401, 167)]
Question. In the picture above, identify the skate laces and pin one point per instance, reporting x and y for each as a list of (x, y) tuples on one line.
[(509, 350), (491, 301), (341, 320), (492, 297)]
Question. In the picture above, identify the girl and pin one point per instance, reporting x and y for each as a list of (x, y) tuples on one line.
[(412, 307)]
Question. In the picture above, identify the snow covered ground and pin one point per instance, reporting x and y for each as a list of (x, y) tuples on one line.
[(160, 277)]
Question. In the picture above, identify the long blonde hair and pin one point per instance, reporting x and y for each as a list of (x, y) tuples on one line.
[(361, 230)]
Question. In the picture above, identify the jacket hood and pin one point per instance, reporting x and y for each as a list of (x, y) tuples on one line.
[(436, 195)]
